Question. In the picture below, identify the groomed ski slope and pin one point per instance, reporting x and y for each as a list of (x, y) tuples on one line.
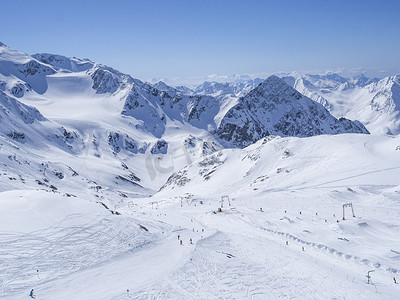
[(75, 248)]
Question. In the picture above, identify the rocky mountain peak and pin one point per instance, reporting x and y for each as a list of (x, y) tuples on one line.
[(275, 108)]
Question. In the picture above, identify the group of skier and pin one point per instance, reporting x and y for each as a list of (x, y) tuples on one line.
[(190, 240), (181, 241)]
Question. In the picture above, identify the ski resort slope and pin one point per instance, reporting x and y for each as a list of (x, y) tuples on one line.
[(280, 235)]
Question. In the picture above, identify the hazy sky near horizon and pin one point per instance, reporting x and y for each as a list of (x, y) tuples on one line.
[(182, 39)]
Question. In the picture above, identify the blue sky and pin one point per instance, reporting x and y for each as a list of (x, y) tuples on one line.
[(188, 38)]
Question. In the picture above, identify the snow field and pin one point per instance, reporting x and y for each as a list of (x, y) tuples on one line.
[(55, 236), (77, 220)]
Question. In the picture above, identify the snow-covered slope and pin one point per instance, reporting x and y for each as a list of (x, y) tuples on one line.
[(292, 164), (102, 176), (279, 233)]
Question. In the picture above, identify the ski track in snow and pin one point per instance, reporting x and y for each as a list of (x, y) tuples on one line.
[(51, 253), (77, 222), (238, 256)]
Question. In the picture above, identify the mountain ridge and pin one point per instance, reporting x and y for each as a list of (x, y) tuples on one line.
[(92, 110), (285, 112)]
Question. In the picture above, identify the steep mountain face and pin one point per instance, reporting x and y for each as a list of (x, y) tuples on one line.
[(275, 108), (108, 80), (371, 101)]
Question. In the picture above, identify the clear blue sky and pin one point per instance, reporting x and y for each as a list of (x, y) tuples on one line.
[(198, 37)]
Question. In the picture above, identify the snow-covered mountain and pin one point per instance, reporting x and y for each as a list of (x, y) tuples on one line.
[(87, 109), (353, 98), (111, 188), (50, 103), (275, 108), (373, 102)]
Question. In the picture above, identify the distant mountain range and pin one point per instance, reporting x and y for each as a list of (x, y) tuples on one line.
[(269, 107), (372, 101), (68, 106)]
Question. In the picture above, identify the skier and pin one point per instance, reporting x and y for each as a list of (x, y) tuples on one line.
[(191, 241), (394, 279), (178, 237), (181, 242), (31, 294)]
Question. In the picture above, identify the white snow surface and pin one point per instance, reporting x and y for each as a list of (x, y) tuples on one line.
[(282, 190), (91, 204)]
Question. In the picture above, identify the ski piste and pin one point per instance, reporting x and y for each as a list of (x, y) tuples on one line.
[(100, 173)]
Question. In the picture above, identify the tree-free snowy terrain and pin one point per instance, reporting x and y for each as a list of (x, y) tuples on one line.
[(373, 102), (102, 176)]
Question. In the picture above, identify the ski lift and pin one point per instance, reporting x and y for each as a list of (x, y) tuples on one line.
[(225, 198), (348, 205), (369, 276)]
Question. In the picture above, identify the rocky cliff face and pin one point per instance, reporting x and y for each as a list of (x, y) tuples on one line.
[(275, 108)]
